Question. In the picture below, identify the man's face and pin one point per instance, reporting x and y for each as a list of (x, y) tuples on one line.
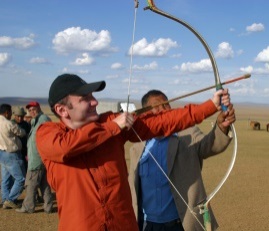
[(33, 111), (82, 109), (155, 100), (18, 118)]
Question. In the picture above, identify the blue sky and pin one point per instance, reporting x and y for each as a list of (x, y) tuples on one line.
[(40, 40)]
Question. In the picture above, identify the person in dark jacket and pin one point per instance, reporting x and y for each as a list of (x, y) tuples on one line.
[(19, 114)]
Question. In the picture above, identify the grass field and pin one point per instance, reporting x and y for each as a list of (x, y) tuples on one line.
[(241, 204)]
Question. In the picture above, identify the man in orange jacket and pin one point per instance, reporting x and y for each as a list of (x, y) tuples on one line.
[(84, 152)]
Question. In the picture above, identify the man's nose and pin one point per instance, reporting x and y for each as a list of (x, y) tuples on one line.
[(161, 107)]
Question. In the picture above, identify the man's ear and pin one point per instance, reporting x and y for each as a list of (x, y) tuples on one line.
[(61, 110)]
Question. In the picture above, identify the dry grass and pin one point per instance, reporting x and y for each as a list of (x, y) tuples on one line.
[(240, 204)]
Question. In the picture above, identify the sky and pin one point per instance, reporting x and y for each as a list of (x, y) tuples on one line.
[(135, 50)]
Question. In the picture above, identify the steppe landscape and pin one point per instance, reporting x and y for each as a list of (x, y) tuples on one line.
[(242, 203)]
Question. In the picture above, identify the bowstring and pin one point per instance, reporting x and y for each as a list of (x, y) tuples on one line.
[(131, 56)]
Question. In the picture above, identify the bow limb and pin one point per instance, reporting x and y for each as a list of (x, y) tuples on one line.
[(204, 206), (152, 7), (212, 194)]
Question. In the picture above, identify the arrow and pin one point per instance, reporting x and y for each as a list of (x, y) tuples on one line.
[(145, 109)]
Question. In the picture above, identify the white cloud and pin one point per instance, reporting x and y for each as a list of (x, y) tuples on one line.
[(75, 39), (225, 51), (18, 43), (248, 69), (257, 71), (5, 58), (116, 66), (160, 47), (203, 66), (262, 71), (263, 56), (151, 66), (86, 59), (39, 60), (255, 27)]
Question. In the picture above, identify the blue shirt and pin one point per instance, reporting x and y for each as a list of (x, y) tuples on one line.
[(157, 200)]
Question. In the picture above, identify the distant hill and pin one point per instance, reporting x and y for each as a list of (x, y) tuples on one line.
[(44, 101), (21, 101), (24, 101)]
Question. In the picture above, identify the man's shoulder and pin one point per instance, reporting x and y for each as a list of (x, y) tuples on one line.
[(5, 122), (44, 118), (137, 148), (10, 123), (189, 136), (189, 131), (138, 145), (50, 125)]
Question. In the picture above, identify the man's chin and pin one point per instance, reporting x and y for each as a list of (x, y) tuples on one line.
[(94, 117)]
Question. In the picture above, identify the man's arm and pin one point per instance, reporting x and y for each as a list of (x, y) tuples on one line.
[(217, 140), (16, 130)]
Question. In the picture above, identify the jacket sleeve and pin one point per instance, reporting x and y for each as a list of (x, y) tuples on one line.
[(212, 143), (167, 122)]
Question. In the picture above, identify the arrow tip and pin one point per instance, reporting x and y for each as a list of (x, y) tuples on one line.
[(247, 76)]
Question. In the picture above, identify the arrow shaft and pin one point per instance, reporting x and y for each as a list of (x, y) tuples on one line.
[(145, 109)]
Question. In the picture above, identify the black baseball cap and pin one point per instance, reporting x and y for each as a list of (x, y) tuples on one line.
[(70, 84)]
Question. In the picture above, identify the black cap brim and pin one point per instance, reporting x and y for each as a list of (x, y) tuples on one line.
[(90, 87)]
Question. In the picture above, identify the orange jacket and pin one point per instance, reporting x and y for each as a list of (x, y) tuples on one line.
[(86, 167)]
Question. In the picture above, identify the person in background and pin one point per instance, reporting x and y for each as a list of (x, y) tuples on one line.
[(36, 173), (157, 205), (27, 117), (19, 114), (84, 152), (23, 119), (12, 168)]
